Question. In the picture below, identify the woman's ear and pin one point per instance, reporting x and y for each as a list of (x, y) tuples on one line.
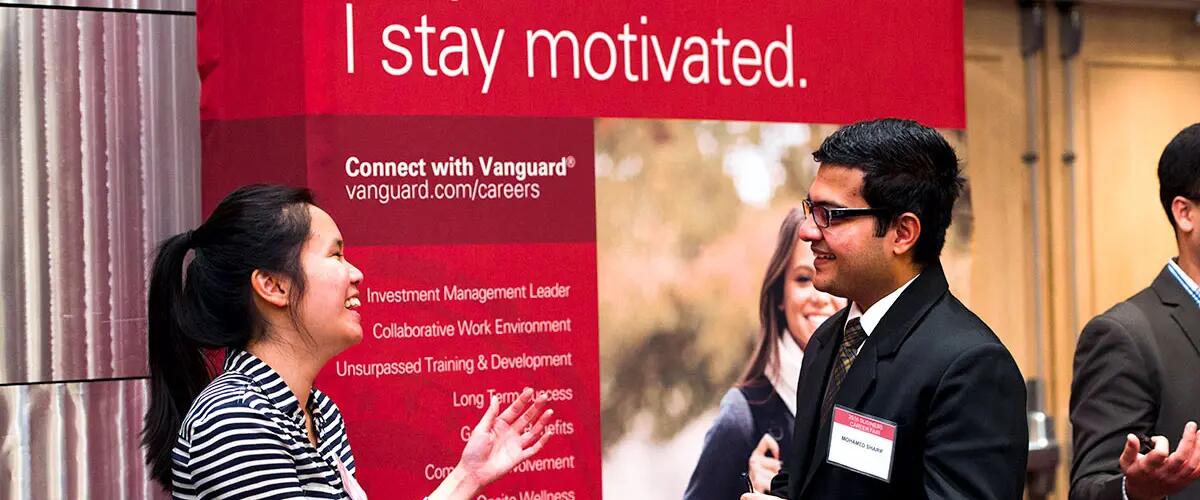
[(269, 288)]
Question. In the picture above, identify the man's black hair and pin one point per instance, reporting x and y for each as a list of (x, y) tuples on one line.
[(1179, 169), (907, 167)]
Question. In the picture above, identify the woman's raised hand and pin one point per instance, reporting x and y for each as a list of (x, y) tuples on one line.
[(499, 442)]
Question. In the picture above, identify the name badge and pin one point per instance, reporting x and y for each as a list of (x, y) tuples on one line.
[(862, 443)]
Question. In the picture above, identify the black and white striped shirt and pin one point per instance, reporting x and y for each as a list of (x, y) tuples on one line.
[(245, 437)]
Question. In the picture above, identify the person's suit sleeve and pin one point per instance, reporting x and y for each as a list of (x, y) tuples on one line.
[(1112, 395), (726, 452), (976, 442)]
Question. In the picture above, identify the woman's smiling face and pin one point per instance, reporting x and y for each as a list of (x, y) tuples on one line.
[(805, 307), (327, 309)]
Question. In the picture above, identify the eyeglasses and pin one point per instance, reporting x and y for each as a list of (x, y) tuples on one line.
[(823, 216)]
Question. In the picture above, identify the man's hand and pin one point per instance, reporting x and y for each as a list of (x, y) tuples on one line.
[(1160, 473), (757, 496), (764, 463)]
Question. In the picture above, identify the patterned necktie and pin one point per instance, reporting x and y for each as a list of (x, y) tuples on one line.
[(853, 338)]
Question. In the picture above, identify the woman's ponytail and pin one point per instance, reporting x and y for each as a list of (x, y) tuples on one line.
[(178, 369)]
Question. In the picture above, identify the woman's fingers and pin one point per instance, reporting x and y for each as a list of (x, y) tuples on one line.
[(534, 433), (537, 446), (525, 420), (518, 406), (485, 423), (767, 463), (767, 446), (531, 413)]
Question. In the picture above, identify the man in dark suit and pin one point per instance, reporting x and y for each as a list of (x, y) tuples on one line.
[(905, 393), (1137, 366)]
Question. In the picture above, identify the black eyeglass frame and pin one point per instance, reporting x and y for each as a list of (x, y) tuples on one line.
[(834, 214)]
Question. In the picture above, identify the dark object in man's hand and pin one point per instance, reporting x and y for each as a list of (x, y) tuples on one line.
[(1146, 443)]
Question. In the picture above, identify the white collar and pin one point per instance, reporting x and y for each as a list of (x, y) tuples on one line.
[(874, 314), (784, 374), (1182, 276)]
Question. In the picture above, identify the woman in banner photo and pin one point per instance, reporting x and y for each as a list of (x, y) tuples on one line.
[(268, 284), (754, 427)]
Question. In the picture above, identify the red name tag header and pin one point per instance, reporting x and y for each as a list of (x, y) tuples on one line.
[(866, 424)]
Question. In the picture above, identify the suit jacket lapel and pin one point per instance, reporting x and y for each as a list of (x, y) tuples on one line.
[(907, 312), (814, 371), (1184, 309)]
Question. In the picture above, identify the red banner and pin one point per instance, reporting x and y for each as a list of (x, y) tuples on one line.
[(453, 143), (797, 61)]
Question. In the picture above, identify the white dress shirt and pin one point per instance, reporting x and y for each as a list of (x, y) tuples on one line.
[(870, 318)]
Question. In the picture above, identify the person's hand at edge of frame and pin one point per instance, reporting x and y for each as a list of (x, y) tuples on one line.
[(1159, 473)]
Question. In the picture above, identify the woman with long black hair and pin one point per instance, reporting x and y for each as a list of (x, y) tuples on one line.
[(268, 284), (752, 432)]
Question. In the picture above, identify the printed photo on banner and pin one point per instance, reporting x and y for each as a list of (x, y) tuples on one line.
[(688, 218)]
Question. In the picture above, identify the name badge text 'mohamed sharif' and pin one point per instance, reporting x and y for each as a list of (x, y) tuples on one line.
[(862, 443)]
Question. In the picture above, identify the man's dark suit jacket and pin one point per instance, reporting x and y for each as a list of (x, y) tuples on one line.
[(939, 372), (1137, 370)]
